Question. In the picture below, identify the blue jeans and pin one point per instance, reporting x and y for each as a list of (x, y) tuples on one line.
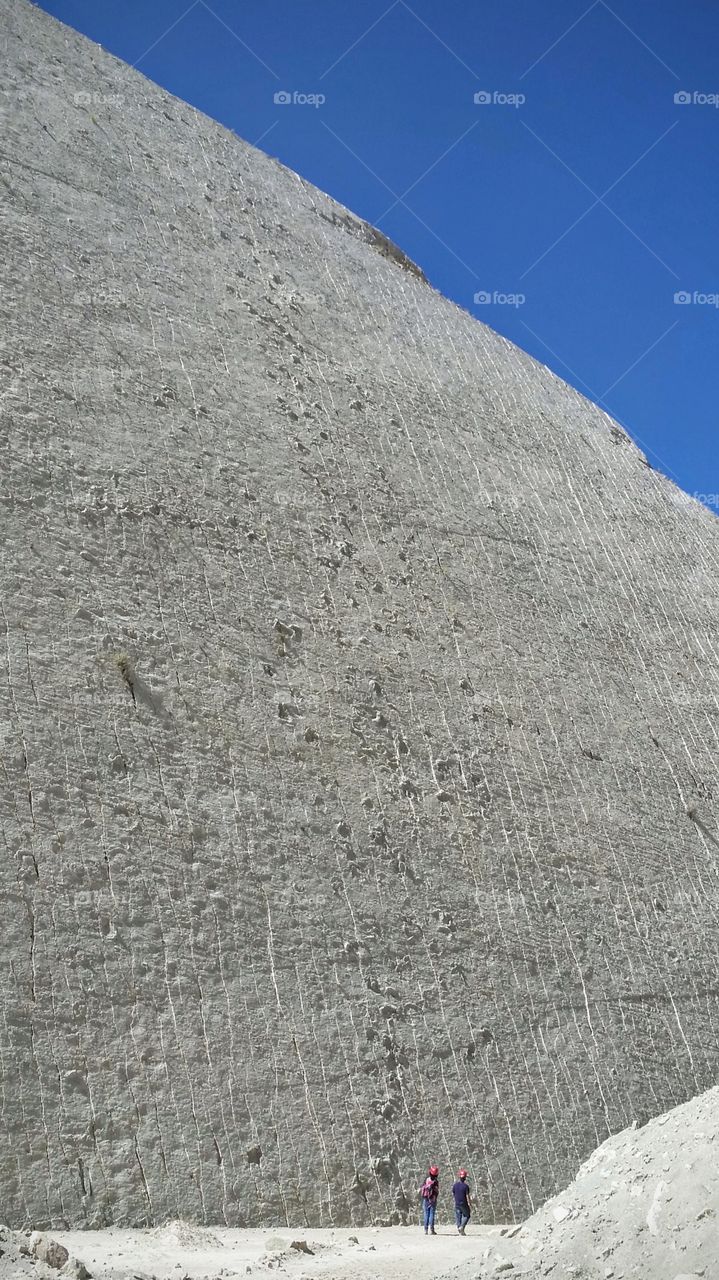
[(430, 1209), (461, 1216)]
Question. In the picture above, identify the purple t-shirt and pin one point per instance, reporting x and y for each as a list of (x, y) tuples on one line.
[(460, 1191)]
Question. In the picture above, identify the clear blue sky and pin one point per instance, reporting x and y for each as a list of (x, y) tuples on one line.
[(596, 198)]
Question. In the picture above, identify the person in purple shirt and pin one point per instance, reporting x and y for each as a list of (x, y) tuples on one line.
[(462, 1201)]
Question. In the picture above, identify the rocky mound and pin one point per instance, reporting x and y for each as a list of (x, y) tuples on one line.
[(360, 704), (34, 1256), (644, 1206)]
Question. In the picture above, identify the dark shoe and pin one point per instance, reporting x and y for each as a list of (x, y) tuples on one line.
[(461, 1231), (433, 1232)]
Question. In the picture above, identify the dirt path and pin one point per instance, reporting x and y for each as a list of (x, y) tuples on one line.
[(181, 1250)]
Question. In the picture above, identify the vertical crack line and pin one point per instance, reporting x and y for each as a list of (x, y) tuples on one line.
[(31, 924), (26, 768), (271, 954), (144, 1179)]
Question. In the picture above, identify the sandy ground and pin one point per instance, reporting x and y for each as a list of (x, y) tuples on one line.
[(181, 1250)]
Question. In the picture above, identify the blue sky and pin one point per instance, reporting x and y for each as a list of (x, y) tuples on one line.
[(594, 199)]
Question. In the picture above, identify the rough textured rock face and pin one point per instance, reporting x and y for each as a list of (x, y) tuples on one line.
[(360, 704)]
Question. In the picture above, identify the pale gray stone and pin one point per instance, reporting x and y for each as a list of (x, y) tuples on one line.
[(49, 1251), (76, 1269)]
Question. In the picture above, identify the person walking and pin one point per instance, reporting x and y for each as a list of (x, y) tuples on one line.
[(429, 1192), (462, 1201)]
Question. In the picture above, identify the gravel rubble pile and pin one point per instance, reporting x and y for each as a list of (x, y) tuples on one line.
[(38, 1255), (643, 1207)]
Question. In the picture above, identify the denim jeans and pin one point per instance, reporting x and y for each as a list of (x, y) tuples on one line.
[(461, 1216), (430, 1209)]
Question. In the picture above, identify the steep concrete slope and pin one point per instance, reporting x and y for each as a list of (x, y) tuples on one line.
[(359, 678), (644, 1205)]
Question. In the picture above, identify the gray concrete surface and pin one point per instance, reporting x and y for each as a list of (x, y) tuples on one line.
[(359, 722)]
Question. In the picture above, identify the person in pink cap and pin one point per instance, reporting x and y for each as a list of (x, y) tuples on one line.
[(429, 1192), (462, 1201)]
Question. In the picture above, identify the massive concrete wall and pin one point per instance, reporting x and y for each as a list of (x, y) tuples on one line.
[(358, 678)]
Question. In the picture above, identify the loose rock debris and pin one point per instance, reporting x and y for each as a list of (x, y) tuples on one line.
[(645, 1206)]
